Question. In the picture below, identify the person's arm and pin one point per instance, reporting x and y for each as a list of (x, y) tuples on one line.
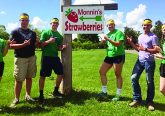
[(115, 43), (62, 47), (135, 46), (45, 43), (37, 43), (159, 55), (14, 45), (155, 49), (152, 50), (5, 49)]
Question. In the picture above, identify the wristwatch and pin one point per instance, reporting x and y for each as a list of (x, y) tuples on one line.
[(146, 49)]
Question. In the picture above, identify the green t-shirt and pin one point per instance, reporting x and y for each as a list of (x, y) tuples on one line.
[(52, 48), (112, 50), (2, 45), (163, 61)]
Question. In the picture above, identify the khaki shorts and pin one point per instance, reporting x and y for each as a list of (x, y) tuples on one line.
[(25, 68)]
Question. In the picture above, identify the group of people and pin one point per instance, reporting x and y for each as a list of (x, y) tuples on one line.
[(148, 47), (24, 41)]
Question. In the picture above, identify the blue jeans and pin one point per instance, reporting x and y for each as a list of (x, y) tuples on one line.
[(149, 67)]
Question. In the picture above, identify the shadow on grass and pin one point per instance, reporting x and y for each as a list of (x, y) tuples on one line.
[(160, 106), (77, 97), (23, 110)]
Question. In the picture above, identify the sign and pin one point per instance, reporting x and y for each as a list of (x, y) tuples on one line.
[(83, 20)]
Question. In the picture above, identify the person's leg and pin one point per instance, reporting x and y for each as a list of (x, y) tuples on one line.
[(28, 83), (58, 80), (162, 78), (137, 70), (17, 89), (41, 83), (41, 88), (31, 73), (150, 68), (20, 71), (58, 69), (1, 69), (119, 81), (103, 71), (57, 83), (44, 72), (162, 85)]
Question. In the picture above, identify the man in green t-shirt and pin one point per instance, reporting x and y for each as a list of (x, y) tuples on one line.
[(51, 41), (115, 58), (3, 51)]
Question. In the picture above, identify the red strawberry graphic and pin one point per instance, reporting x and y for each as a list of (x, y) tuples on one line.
[(71, 15)]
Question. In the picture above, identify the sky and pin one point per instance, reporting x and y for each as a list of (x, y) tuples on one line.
[(130, 13)]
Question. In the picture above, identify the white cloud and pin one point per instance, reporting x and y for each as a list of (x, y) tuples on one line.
[(135, 17), (93, 1), (164, 22), (2, 13), (38, 23), (11, 26)]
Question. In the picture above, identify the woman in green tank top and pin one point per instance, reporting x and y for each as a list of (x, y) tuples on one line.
[(161, 55)]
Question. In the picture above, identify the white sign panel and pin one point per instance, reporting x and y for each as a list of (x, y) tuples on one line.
[(83, 20)]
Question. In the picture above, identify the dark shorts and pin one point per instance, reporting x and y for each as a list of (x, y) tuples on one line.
[(1, 68), (162, 70), (115, 60), (50, 63)]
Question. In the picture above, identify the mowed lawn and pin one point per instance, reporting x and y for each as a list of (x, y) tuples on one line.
[(86, 85)]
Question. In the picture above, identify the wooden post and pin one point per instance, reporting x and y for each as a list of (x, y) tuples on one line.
[(66, 85)]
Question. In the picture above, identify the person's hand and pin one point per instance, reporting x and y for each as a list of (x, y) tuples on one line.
[(159, 55), (103, 41), (158, 49), (51, 40), (26, 42), (141, 47), (11, 41), (129, 39), (64, 46), (106, 38)]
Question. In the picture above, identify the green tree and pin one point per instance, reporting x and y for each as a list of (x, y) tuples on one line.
[(131, 33), (88, 37), (38, 32), (3, 33), (157, 29)]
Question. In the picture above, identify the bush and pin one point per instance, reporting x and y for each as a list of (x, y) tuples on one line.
[(76, 45), (87, 45)]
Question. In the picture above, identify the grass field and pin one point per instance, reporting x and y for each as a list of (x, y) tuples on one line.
[(86, 85)]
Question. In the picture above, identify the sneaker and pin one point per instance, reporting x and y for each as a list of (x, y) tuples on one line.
[(135, 103), (57, 94), (28, 98), (41, 99), (116, 98), (14, 103), (102, 95), (150, 106)]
